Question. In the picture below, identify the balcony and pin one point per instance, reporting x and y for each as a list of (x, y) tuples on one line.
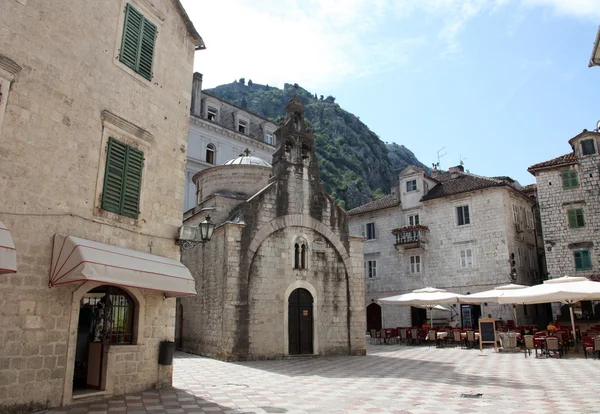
[(410, 237)]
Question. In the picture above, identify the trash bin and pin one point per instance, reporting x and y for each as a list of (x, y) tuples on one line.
[(165, 353)]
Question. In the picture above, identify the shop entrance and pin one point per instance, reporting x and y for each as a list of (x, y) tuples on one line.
[(105, 318)]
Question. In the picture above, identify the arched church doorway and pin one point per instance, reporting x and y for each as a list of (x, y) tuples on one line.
[(106, 317), (373, 317), (300, 322)]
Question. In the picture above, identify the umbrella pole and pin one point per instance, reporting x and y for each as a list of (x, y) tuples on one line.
[(515, 312), (431, 317), (573, 325)]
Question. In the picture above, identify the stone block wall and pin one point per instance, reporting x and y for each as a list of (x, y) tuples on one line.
[(52, 146)]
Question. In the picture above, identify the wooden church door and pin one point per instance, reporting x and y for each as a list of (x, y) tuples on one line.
[(300, 322)]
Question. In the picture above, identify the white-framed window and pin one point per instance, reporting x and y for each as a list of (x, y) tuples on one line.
[(269, 139), (516, 216), (242, 126), (370, 269), (370, 231), (462, 215), (529, 218), (411, 186), (415, 264), (210, 153), (520, 258), (211, 114), (413, 220), (466, 259)]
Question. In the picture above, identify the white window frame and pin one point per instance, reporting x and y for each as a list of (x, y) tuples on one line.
[(212, 114), (516, 216), (466, 258), (373, 233), (269, 138), (412, 220), (411, 185), (520, 256), (370, 269), (415, 264), (463, 206)]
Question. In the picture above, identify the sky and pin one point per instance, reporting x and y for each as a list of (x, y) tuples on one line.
[(497, 84)]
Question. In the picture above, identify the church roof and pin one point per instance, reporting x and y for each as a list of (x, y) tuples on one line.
[(248, 160)]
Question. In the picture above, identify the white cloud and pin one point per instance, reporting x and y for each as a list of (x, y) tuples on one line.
[(319, 43)]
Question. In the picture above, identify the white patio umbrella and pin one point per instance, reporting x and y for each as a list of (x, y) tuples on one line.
[(427, 297), (566, 289), (492, 296)]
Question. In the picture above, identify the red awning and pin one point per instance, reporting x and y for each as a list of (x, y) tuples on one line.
[(8, 253)]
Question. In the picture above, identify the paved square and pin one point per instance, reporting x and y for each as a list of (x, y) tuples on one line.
[(390, 379)]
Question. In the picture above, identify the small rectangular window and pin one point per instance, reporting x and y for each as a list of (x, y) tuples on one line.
[(462, 213), (371, 268), (576, 218), (211, 114), (411, 186), (413, 220), (137, 44), (370, 231), (415, 264), (583, 261), (242, 125), (588, 147), (466, 259), (520, 258), (570, 179), (122, 179), (269, 138)]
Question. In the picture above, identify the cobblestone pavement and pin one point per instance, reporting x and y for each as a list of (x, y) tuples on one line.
[(390, 379)]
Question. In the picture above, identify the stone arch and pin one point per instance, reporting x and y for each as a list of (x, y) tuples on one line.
[(297, 220), (292, 287)]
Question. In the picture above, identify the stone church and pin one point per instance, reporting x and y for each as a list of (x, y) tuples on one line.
[(281, 275)]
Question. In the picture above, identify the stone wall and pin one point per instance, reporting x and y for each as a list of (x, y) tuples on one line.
[(63, 105)]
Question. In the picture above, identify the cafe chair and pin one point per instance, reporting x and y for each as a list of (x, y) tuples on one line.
[(414, 335), (432, 338), (470, 339), (456, 338), (403, 336), (529, 345), (553, 347), (375, 336)]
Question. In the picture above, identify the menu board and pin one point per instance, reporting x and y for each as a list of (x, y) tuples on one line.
[(487, 332)]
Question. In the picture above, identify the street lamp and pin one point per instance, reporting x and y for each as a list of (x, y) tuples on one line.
[(513, 275), (191, 236)]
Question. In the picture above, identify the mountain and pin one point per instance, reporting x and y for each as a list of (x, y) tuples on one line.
[(356, 166)]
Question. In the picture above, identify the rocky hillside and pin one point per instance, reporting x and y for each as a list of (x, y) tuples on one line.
[(356, 166)]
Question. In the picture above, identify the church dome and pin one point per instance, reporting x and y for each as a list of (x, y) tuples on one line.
[(248, 160)]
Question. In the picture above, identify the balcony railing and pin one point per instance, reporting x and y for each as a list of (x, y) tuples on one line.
[(410, 235)]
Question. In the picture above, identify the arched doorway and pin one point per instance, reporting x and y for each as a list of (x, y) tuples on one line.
[(373, 317), (106, 316), (300, 322)]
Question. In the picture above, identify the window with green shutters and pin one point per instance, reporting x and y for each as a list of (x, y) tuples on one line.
[(137, 45), (569, 179), (583, 260), (122, 179), (576, 218)]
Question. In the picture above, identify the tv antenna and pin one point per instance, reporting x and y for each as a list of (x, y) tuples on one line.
[(462, 160), (440, 156), (597, 127)]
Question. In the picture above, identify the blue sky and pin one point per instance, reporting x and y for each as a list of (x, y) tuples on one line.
[(500, 84)]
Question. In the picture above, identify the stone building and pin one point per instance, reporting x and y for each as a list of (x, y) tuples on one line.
[(569, 204), (220, 131), (454, 231), (281, 275), (94, 112)]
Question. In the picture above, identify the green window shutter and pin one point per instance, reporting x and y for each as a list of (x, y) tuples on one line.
[(572, 218), (114, 176), (580, 219), (147, 49), (132, 185), (137, 44), (586, 260), (577, 257), (570, 179), (132, 29)]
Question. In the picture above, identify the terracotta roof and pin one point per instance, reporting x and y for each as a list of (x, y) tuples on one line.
[(562, 160), (462, 183), (529, 188), (384, 202)]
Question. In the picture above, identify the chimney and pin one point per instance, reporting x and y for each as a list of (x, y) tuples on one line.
[(454, 171), (196, 106), (434, 173), (396, 192)]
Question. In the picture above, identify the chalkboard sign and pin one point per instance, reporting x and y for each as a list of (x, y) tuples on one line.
[(487, 332)]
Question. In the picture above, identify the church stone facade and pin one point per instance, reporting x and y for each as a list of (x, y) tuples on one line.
[(281, 275)]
